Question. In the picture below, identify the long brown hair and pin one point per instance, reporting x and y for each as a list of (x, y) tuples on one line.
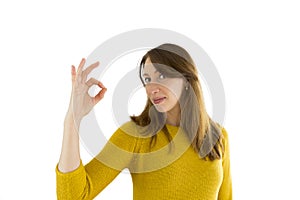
[(204, 133)]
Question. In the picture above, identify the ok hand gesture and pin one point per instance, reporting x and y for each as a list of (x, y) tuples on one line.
[(81, 103)]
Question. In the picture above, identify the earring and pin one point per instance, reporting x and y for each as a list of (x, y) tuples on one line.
[(186, 88)]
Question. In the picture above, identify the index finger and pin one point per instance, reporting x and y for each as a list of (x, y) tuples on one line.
[(91, 67)]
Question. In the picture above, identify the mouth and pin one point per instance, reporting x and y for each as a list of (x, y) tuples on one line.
[(159, 100)]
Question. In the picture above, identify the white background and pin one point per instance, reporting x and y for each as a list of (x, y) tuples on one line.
[(254, 45)]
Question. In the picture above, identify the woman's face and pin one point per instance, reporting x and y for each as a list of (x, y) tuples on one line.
[(163, 92)]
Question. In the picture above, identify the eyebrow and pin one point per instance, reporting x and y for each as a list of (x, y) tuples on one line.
[(145, 74)]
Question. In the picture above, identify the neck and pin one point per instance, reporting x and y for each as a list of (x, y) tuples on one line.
[(173, 116)]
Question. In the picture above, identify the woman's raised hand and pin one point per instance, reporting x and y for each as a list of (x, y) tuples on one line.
[(81, 102)]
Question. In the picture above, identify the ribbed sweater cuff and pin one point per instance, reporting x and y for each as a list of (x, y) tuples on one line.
[(71, 182)]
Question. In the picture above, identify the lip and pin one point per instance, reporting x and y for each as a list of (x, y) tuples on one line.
[(158, 100)]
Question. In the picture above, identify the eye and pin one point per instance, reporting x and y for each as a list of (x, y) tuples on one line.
[(147, 79), (161, 76)]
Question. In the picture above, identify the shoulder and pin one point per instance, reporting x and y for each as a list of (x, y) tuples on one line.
[(128, 130), (124, 136), (223, 131), (224, 141), (128, 125)]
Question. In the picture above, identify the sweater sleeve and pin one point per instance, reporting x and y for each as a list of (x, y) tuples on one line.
[(225, 192), (88, 181)]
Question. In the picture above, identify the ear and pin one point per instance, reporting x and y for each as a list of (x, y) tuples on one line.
[(187, 85)]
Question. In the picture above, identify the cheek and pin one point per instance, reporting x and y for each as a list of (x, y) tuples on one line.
[(148, 90), (176, 89), (178, 92), (174, 97)]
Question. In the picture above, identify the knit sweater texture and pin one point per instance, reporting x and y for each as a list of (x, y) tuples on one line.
[(157, 173)]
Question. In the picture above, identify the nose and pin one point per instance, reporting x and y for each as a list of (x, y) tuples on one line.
[(152, 88)]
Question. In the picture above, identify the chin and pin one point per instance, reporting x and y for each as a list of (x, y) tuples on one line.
[(161, 109)]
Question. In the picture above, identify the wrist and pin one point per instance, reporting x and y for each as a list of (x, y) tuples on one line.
[(71, 121)]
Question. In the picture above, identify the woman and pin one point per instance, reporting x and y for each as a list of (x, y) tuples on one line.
[(197, 163)]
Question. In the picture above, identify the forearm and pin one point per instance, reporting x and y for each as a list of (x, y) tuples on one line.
[(70, 154)]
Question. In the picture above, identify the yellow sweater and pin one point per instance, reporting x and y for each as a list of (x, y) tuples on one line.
[(156, 174)]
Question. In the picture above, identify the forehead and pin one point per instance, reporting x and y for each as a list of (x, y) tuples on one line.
[(149, 67), (152, 69)]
